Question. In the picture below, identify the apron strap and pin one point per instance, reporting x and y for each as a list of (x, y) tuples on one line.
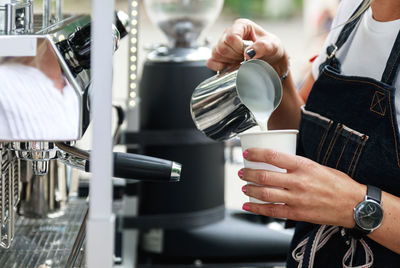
[(392, 65), (343, 36), (348, 28)]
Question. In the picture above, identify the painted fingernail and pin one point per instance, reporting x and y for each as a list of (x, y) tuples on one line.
[(244, 188), (245, 154), (240, 173), (251, 52), (246, 207)]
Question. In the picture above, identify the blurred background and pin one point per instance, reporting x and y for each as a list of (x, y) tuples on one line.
[(301, 24)]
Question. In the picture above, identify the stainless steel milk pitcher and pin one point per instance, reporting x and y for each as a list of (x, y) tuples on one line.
[(223, 105)]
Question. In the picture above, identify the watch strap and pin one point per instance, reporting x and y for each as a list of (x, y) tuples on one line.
[(357, 232), (374, 193)]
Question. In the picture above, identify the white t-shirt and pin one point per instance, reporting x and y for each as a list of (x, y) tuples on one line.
[(366, 51), (31, 108)]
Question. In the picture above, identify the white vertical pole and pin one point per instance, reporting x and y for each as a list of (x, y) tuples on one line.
[(100, 231)]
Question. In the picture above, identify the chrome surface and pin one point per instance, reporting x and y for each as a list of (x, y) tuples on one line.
[(9, 195), (16, 17), (72, 156), (116, 37), (176, 171), (48, 49), (46, 242), (124, 18), (182, 21), (48, 17), (47, 39), (46, 12), (39, 153), (179, 54), (78, 244), (44, 196), (217, 108), (84, 155)]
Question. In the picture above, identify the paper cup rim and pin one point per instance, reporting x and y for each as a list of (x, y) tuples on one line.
[(287, 131)]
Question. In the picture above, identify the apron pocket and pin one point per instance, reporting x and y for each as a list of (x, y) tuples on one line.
[(347, 150), (329, 143), (313, 133)]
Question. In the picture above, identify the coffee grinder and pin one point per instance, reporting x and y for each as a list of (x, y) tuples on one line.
[(187, 221)]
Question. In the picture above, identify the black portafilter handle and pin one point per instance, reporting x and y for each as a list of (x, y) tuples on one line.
[(144, 168)]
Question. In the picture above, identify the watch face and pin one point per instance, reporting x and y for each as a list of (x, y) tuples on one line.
[(368, 215)]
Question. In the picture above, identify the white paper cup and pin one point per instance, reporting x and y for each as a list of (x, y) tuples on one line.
[(279, 140)]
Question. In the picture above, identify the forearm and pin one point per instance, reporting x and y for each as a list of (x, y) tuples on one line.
[(287, 115)]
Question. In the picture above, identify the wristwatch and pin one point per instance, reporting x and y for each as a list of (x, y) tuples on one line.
[(368, 214)]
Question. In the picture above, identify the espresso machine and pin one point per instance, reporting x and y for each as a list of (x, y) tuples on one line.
[(42, 222), (186, 224)]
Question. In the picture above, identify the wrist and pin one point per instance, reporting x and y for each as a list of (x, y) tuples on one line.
[(357, 196), (283, 67), (368, 214)]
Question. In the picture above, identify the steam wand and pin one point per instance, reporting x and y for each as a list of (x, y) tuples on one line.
[(126, 165)]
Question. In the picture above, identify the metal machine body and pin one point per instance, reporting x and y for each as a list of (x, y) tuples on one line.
[(35, 174), (26, 182)]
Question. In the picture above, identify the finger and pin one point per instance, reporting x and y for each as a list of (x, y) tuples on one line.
[(234, 36), (266, 177), (230, 45), (266, 194), (234, 42), (271, 210), (272, 157), (216, 65), (225, 57), (268, 48)]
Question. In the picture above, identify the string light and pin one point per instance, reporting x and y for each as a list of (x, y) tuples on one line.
[(132, 103), (132, 94), (133, 44)]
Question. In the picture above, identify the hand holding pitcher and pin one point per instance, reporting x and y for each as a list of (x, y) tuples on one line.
[(229, 50)]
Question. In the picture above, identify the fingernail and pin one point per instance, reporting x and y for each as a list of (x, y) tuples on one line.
[(245, 154), (244, 188), (246, 207), (251, 52), (240, 173)]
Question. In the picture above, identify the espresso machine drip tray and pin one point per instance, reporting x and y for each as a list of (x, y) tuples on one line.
[(45, 243)]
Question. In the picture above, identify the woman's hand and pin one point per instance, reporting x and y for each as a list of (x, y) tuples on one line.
[(310, 192), (229, 50)]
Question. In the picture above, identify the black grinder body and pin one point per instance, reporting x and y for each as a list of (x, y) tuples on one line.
[(169, 132)]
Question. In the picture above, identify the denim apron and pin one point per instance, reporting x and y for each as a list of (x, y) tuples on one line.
[(349, 123)]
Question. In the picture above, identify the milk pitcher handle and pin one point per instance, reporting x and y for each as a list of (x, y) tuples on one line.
[(246, 44)]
